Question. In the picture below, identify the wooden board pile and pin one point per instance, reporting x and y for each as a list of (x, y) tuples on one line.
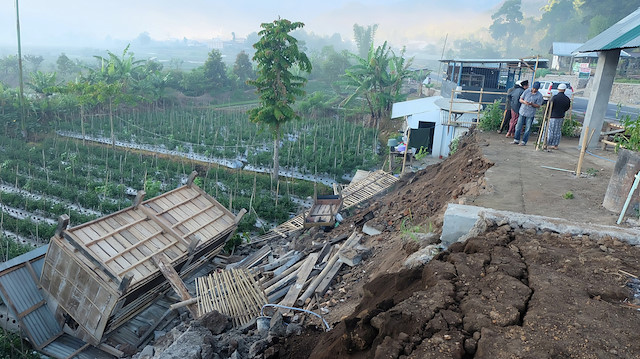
[(298, 279)]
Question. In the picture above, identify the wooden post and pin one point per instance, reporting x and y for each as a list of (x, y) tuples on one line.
[(404, 159), (63, 223), (582, 150), (175, 281), (192, 176), (139, 198)]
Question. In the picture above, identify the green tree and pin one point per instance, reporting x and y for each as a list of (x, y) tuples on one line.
[(507, 23), (330, 64), (243, 69), (215, 71), (364, 38), (277, 55), (65, 65), (34, 60), (377, 80), (43, 83)]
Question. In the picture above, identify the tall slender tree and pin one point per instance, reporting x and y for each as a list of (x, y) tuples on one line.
[(278, 83), (364, 38), (507, 23)]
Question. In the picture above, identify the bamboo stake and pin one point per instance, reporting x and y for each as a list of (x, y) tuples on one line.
[(404, 160), (544, 127), (583, 149)]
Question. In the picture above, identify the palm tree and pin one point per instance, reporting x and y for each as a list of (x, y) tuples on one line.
[(377, 80)]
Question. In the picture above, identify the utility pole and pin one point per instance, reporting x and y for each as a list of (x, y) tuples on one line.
[(21, 98)]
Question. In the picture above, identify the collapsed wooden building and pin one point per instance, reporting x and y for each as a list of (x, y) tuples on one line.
[(102, 273)]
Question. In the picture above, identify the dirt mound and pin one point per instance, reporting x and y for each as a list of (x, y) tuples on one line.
[(510, 293)]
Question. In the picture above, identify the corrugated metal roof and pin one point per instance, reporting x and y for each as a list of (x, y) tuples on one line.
[(66, 345), (411, 107), (24, 257), (542, 63), (624, 34), (564, 48), (20, 291), (568, 49)]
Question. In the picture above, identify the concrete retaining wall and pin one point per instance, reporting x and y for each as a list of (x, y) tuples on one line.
[(462, 222)]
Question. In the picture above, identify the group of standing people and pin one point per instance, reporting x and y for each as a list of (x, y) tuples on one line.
[(523, 102)]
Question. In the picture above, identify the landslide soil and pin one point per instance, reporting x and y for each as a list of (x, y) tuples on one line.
[(509, 293)]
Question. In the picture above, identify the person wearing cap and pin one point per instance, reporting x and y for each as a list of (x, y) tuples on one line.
[(514, 101), (560, 104), (531, 99)]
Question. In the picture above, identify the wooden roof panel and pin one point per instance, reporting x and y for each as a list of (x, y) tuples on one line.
[(125, 241)]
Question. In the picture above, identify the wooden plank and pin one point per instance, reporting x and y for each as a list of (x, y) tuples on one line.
[(326, 281), (174, 280), (145, 259), (180, 203), (119, 229), (31, 309), (126, 250), (201, 210), (303, 274), (163, 224), (312, 287)]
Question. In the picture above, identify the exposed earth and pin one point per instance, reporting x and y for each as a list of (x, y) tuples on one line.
[(508, 293)]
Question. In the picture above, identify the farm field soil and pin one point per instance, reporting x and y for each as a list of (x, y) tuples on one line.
[(509, 293)]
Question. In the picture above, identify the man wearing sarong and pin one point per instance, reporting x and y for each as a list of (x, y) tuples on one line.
[(560, 104)]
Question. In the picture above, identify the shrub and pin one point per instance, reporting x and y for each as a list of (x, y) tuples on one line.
[(491, 117), (630, 139), (569, 127)]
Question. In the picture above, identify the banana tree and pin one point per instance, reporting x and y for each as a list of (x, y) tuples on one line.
[(376, 80)]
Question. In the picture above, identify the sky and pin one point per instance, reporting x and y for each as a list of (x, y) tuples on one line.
[(413, 23)]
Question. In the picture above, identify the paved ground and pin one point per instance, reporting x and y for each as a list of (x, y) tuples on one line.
[(519, 183)]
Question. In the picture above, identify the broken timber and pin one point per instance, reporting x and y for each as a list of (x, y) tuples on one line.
[(174, 279), (354, 194)]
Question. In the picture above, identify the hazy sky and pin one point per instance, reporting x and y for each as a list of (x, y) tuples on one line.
[(85, 22)]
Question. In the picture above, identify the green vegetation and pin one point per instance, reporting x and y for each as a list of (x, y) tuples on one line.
[(12, 346), (491, 117), (592, 171), (10, 249), (177, 121), (568, 195), (375, 81), (453, 146), (422, 153), (569, 127), (630, 138), (278, 55)]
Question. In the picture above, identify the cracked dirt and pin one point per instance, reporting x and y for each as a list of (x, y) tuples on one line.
[(509, 293)]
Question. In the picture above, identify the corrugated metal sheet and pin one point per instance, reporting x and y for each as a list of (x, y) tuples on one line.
[(624, 34), (542, 63), (29, 256), (568, 49), (412, 107), (564, 48), (66, 345), (21, 293)]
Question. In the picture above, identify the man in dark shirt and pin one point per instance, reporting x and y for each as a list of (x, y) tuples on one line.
[(560, 103)]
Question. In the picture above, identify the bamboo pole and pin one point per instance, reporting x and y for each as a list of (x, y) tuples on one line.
[(583, 149), (404, 160), (541, 144)]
